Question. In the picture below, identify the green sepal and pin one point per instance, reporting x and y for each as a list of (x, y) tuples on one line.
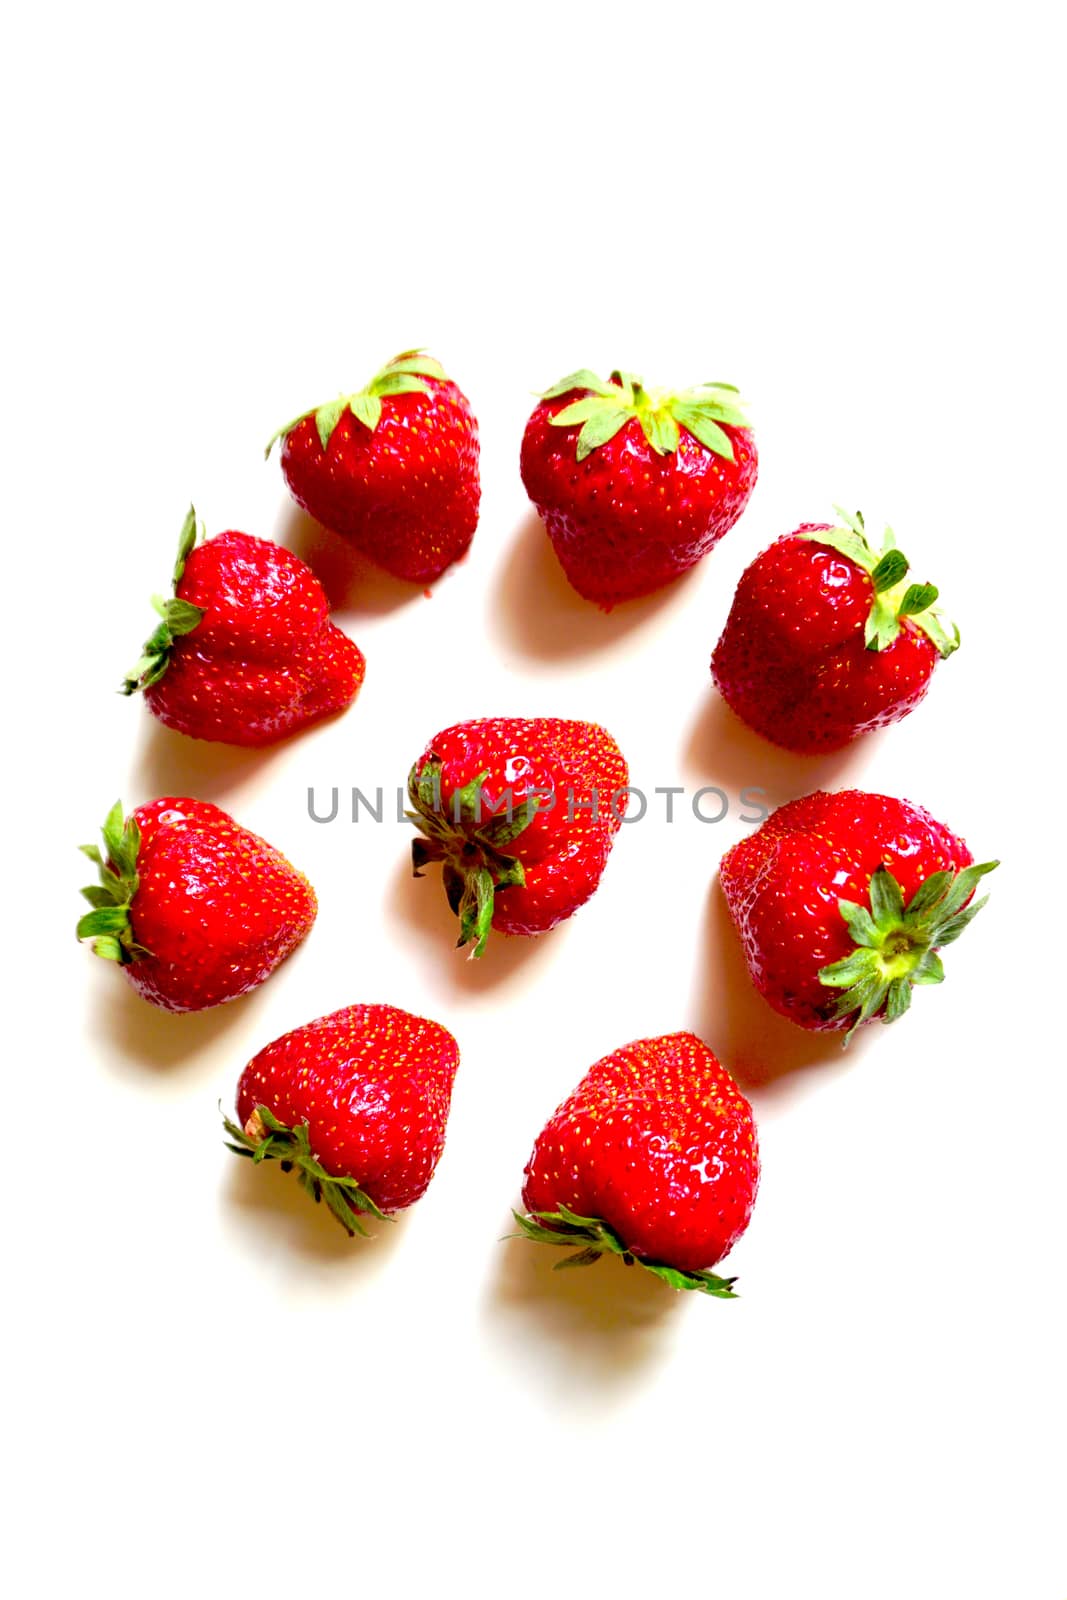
[(605, 407), (291, 1146), (594, 1238), (108, 924), (177, 618), (404, 374), (472, 847), (896, 945), (894, 599)]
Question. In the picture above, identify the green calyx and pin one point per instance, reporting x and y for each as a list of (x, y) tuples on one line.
[(894, 597), (176, 616), (264, 1138), (606, 407), (108, 923), (471, 843), (595, 1238), (896, 946), (405, 374)]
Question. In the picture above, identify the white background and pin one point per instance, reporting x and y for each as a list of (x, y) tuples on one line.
[(222, 216)]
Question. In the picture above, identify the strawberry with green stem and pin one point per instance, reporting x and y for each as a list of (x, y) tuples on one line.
[(194, 909), (828, 639), (521, 814), (245, 652), (652, 1158), (635, 485), (843, 901), (356, 1103), (392, 467)]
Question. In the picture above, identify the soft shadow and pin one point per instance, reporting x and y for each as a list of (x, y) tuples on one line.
[(762, 1050), (149, 1039), (538, 613), (597, 1326), (352, 583), (723, 749), (420, 905), (169, 763), (273, 1207)]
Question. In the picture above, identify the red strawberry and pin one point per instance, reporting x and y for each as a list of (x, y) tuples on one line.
[(393, 467), (521, 814), (842, 902), (634, 486), (245, 652), (195, 909), (357, 1102), (653, 1158), (826, 639)]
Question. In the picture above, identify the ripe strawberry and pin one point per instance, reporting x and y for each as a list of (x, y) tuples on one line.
[(634, 486), (826, 639), (357, 1102), (245, 652), (842, 902), (522, 815), (393, 467), (195, 909), (654, 1158)]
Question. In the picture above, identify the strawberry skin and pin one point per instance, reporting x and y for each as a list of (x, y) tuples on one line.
[(842, 901), (245, 653), (826, 640), (358, 1102), (635, 487), (526, 873), (194, 908), (393, 467), (654, 1157)]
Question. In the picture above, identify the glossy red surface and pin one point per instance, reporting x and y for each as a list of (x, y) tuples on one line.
[(217, 907), (783, 883), (564, 850), (625, 521), (659, 1142), (265, 660), (373, 1084), (406, 494), (792, 661)]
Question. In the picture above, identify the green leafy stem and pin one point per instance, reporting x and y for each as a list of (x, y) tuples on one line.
[(894, 598), (606, 407), (405, 374), (472, 849), (265, 1138), (177, 617), (897, 945), (595, 1238), (108, 923)]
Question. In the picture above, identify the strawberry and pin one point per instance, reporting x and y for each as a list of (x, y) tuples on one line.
[(634, 486), (357, 1102), (245, 652), (521, 814), (826, 639), (393, 467), (842, 902), (654, 1158), (195, 909)]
